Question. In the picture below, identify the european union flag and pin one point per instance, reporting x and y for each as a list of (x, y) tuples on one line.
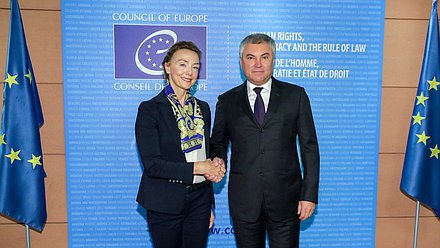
[(421, 169), (22, 194)]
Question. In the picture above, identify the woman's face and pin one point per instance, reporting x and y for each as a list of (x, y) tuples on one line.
[(183, 70)]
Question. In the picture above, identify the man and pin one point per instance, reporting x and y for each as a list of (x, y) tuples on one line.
[(262, 119)]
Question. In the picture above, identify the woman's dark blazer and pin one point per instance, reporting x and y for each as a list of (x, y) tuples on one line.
[(166, 172)]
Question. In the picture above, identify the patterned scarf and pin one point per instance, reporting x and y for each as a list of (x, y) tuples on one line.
[(189, 120)]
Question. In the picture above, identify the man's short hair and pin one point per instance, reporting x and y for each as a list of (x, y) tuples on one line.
[(257, 39)]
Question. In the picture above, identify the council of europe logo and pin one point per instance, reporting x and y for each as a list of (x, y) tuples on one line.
[(140, 49)]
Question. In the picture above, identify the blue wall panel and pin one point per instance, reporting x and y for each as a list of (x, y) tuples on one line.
[(333, 48)]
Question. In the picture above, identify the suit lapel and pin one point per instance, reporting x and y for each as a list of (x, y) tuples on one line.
[(274, 101), (244, 103), (168, 115), (207, 119)]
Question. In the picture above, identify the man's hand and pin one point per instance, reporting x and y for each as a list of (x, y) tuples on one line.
[(211, 220), (220, 167), (213, 170), (305, 209)]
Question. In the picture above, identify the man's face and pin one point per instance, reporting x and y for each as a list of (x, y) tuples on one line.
[(257, 63)]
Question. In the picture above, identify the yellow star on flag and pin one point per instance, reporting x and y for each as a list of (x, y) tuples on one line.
[(11, 80), (422, 137), (13, 155), (421, 99), (2, 140), (418, 119), (35, 161), (29, 75), (434, 152), (433, 84)]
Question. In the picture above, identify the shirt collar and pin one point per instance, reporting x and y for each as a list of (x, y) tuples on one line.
[(266, 87)]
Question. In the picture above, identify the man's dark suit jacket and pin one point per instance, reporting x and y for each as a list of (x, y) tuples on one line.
[(166, 172), (264, 166)]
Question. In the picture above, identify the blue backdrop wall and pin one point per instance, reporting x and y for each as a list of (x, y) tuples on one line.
[(112, 52)]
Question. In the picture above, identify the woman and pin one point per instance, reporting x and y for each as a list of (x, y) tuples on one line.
[(172, 134)]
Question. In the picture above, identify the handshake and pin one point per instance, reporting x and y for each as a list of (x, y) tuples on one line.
[(213, 170)]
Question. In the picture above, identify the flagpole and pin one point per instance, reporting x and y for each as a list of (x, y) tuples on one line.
[(416, 224), (28, 238)]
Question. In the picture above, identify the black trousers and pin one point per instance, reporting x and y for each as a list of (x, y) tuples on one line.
[(189, 229), (282, 234)]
